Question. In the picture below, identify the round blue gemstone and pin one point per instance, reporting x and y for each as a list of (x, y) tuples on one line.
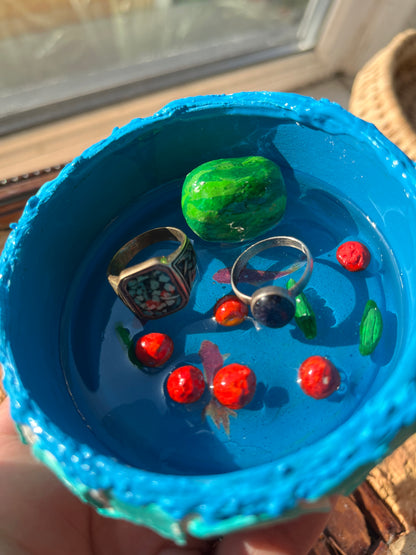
[(273, 310)]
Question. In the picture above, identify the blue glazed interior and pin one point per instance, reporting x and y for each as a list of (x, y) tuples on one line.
[(114, 397), (71, 380)]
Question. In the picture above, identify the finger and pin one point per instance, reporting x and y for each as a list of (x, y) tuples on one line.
[(295, 537), (112, 536), (6, 423), (11, 447)]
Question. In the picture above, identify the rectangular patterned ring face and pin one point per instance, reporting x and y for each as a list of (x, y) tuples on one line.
[(154, 292), (185, 264)]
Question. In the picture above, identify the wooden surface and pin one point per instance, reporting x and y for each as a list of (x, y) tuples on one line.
[(379, 518)]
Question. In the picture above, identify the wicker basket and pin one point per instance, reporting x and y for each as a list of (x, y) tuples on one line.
[(384, 92)]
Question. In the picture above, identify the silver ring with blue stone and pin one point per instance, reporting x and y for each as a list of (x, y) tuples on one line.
[(159, 286), (272, 306)]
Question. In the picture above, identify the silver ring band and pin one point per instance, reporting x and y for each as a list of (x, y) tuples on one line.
[(272, 306), (158, 286)]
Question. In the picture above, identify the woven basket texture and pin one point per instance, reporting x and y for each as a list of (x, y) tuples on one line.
[(384, 92)]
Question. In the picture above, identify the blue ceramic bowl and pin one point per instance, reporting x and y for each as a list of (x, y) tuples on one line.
[(105, 427)]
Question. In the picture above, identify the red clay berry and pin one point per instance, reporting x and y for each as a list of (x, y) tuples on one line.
[(230, 311), (318, 377), (186, 384), (353, 256), (154, 349), (234, 385)]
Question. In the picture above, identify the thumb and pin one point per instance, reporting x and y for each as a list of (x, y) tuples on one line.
[(294, 537)]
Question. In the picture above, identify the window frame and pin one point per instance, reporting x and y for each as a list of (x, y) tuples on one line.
[(356, 29)]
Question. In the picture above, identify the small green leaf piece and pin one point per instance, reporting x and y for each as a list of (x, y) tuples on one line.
[(371, 328), (127, 342), (304, 315), (123, 335)]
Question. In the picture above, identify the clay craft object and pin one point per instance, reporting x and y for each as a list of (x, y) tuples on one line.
[(304, 315), (113, 437), (234, 199)]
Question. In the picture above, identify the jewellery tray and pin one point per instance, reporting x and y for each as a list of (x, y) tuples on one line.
[(105, 426)]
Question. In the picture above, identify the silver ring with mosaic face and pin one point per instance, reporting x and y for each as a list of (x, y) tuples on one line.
[(160, 285), (272, 306)]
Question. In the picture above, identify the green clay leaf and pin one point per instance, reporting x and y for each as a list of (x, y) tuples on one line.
[(304, 314), (123, 335), (125, 339), (371, 328)]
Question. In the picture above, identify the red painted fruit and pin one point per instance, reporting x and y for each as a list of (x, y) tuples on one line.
[(234, 385), (154, 349), (186, 384), (353, 256), (318, 377), (230, 311)]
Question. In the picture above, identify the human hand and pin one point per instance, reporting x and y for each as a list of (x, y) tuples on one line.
[(39, 516)]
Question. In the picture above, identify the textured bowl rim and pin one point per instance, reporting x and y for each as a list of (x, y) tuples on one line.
[(216, 504)]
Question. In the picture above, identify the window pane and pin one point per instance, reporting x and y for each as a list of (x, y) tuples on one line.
[(58, 57)]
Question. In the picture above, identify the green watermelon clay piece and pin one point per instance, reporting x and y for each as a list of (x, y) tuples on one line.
[(233, 199)]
